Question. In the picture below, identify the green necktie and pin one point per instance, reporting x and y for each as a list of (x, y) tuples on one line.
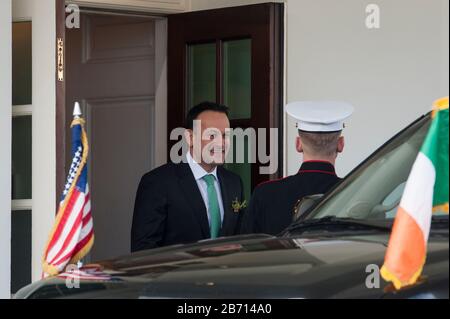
[(214, 210)]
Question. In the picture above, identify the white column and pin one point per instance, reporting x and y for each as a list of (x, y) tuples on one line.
[(44, 101), (5, 144)]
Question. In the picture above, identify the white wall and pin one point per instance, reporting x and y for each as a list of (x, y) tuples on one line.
[(445, 44), (391, 75), (5, 144)]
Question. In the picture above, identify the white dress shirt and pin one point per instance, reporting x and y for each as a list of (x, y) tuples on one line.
[(199, 173)]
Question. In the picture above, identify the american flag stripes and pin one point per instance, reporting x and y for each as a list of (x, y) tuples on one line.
[(72, 236)]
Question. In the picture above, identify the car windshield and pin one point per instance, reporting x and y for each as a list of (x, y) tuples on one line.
[(374, 190)]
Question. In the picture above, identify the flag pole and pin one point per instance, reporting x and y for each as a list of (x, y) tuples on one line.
[(76, 116), (64, 248)]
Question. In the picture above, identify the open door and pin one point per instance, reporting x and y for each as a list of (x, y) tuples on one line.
[(113, 67), (233, 56)]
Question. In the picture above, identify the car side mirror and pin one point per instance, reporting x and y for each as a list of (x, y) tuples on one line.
[(305, 204)]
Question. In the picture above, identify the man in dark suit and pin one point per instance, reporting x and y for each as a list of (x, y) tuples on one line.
[(320, 125), (191, 201)]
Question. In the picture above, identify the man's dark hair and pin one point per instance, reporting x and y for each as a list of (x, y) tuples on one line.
[(195, 112)]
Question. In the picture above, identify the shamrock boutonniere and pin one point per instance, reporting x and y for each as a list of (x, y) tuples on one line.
[(238, 206)]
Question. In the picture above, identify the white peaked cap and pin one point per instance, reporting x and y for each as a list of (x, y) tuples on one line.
[(320, 116)]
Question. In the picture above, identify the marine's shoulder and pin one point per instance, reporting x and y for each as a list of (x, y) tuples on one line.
[(275, 185)]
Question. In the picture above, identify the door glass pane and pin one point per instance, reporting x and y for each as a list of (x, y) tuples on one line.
[(20, 250), (21, 63), (201, 74), (244, 170), (237, 78), (21, 157)]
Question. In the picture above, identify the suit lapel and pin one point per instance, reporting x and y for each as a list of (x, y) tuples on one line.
[(224, 188), (194, 197)]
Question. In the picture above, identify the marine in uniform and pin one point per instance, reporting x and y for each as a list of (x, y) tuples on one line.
[(320, 140)]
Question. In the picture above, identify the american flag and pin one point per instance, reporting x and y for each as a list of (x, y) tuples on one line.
[(72, 236)]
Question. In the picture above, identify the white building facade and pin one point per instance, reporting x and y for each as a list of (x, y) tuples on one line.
[(391, 73)]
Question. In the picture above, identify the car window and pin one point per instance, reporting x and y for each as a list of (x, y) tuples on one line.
[(374, 190), (392, 201)]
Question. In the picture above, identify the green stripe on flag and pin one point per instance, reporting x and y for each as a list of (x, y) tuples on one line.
[(435, 148)]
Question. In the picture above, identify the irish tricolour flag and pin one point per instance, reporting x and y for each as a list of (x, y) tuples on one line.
[(426, 193)]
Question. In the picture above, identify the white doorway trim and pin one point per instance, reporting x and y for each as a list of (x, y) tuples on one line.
[(159, 6), (5, 142)]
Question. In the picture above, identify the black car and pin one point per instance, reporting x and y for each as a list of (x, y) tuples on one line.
[(333, 250)]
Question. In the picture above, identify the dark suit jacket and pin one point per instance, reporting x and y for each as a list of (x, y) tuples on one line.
[(169, 208), (272, 206)]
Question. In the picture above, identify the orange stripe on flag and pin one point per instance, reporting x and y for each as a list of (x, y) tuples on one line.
[(406, 252)]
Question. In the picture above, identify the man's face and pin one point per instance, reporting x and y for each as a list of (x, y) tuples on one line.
[(210, 140)]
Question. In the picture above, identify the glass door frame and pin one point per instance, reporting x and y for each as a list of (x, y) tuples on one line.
[(22, 204), (264, 25), (43, 18)]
